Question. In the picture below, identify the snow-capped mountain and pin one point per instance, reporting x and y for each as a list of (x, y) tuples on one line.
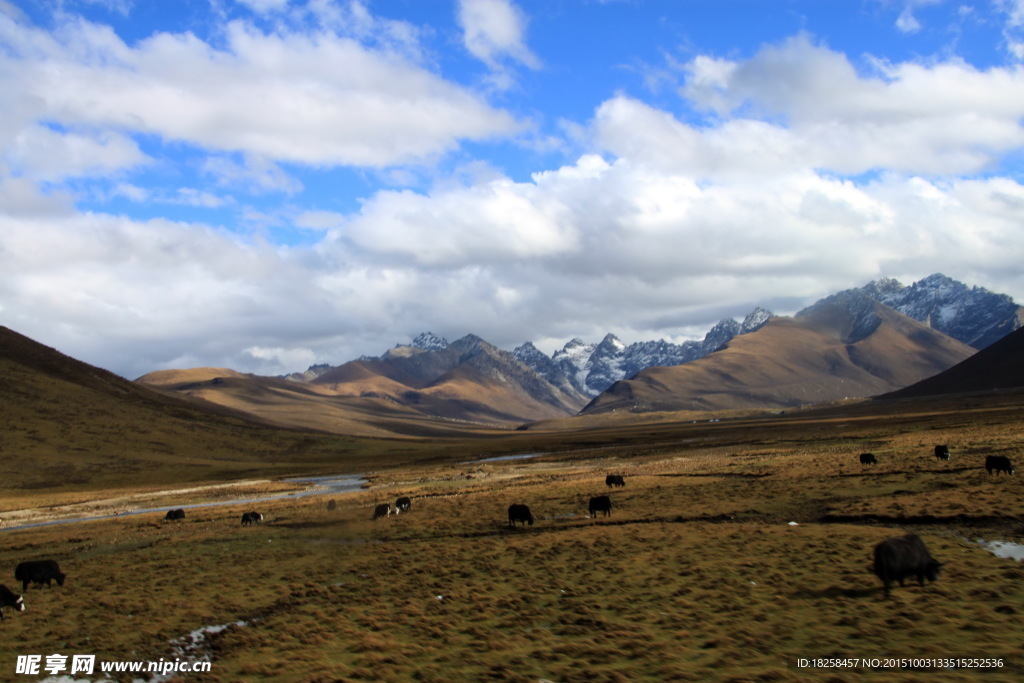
[(428, 341), (973, 315), (592, 368)]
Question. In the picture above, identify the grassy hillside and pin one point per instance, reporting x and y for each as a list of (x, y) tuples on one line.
[(698, 575), (66, 426), (997, 366)]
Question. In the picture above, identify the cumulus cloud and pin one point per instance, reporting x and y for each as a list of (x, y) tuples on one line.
[(318, 98), (949, 118), (588, 248)]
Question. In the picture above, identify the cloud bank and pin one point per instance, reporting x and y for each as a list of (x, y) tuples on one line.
[(770, 180)]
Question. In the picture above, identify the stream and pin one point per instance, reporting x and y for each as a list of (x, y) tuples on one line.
[(316, 486)]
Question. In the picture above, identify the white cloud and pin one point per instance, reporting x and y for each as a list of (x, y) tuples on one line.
[(495, 221), (41, 153), (663, 227), (906, 22), (494, 32), (264, 6), (945, 118), (320, 99), (494, 29), (592, 247), (191, 196), (255, 174), (319, 220)]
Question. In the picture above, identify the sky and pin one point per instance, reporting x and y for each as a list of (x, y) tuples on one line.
[(268, 184)]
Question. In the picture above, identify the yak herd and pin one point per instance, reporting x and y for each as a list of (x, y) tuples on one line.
[(517, 512), (993, 463), (895, 559)]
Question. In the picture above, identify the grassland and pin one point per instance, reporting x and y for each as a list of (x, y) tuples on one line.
[(698, 575)]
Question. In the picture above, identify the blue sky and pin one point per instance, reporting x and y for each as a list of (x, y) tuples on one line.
[(265, 184)]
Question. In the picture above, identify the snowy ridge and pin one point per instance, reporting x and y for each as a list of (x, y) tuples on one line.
[(428, 341), (592, 368), (973, 315)]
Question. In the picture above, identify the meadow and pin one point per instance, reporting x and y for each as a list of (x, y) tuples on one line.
[(734, 549)]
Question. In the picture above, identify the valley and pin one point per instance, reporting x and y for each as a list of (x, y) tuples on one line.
[(735, 547)]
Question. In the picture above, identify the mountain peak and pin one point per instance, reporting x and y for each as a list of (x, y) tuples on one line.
[(428, 341), (973, 315), (755, 320)]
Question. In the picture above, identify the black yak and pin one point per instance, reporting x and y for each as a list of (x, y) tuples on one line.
[(38, 571), (614, 480), (600, 504), (382, 510), (868, 459), (250, 518), (999, 463), (942, 452), (898, 558), (403, 504), (519, 513)]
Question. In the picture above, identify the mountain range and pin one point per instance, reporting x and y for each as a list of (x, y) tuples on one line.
[(861, 342)]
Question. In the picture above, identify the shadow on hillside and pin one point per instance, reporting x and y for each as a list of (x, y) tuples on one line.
[(744, 475), (932, 520), (886, 473), (836, 592)]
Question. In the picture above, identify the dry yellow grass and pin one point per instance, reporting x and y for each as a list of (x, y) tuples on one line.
[(696, 576)]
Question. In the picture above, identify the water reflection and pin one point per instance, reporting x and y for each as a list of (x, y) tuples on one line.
[(1006, 549)]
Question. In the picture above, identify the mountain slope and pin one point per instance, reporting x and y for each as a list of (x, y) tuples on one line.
[(844, 346), (66, 424), (468, 380), (997, 366)]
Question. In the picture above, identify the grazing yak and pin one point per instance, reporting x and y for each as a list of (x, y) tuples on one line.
[(600, 504), (38, 571), (9, 599), (250, 518), (999, 463), (868, 459), (382, 510), (403, 504), (898, 558), (174, 514), (614, 480), (519, 513), (942, 452)]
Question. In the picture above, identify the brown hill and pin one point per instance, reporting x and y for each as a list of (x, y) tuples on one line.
[(65, 424), (846, 346), (998, 366), (469, 380), (407, 391)]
